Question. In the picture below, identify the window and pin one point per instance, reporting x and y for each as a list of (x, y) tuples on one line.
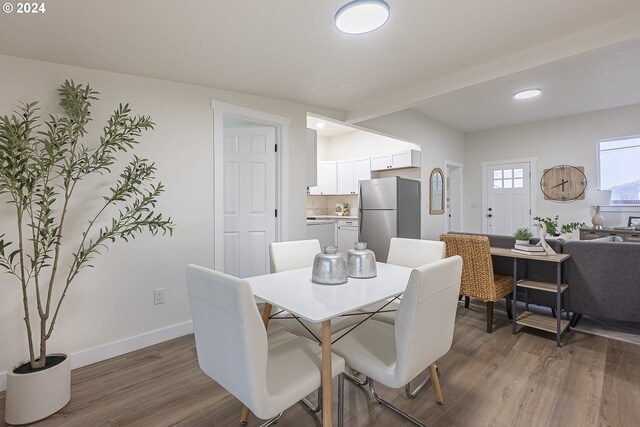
[(619, 161), (502, 178)]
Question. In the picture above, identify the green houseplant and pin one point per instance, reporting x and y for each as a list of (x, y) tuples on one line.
[(554, 229), (42, 162), (552, 224), (522, 235)]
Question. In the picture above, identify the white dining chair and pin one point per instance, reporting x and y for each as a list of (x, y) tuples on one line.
[(423, 332), (410, 253), (290, 256), (413, 253), (267, 374)]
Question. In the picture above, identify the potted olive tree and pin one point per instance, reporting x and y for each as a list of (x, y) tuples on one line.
[(42, 163)]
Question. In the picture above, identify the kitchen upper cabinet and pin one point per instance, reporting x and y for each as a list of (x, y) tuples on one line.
[(327, 178), (402, 159), (345, 177), (341, 177), (381, 162), (361, 172)]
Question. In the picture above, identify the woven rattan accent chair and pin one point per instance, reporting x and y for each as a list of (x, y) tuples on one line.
[(478, 279)]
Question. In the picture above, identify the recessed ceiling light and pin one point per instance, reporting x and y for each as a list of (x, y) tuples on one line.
[(320, 125), (526, 94), (362, 16)]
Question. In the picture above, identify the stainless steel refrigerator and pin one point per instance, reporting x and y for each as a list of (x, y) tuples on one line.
[(389, 207)]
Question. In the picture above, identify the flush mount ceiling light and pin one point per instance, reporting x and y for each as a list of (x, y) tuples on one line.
[(362, 16), (320, 125), (526, 94)]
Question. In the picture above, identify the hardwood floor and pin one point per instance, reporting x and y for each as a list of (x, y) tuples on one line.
[(488, 380)]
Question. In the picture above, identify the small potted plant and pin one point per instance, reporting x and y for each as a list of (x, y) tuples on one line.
[(42, 162), (522, 236)]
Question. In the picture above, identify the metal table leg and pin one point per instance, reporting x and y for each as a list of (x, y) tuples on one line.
[(558, 302), (514, 314)]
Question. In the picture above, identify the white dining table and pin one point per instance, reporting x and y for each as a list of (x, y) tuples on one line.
[(294, 291)]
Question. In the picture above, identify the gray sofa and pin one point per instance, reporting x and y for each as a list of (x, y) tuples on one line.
[(603, 277)]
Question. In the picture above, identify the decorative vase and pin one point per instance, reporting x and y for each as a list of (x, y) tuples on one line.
[(36, 395), (361, 262), (330, 267), (522, 242)]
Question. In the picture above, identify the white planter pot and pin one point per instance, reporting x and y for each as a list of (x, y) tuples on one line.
[(34, 396), (522, 242)]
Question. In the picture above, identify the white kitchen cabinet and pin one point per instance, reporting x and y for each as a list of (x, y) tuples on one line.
[(327, 178), (361, 172), (347, 234), (324, 231), (380, 162), (345, 177), (402, 159), (405, 159), (341, 177)]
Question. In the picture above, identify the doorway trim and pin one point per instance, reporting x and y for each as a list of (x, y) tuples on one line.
[(282, 171), (533, 178), (459, 165)]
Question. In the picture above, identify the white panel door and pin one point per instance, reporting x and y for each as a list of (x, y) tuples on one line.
[(508, 197), (453, 198), (249, 199), (345, 177)]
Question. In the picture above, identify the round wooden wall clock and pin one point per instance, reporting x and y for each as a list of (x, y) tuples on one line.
[(563, 183)]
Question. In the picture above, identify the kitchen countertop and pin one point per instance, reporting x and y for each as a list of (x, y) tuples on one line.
[(321, 221), (334, 217)]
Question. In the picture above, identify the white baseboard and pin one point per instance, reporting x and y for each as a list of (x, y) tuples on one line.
[(117, 348)]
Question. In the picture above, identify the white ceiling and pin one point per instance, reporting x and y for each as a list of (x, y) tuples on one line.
[(604, 78), (290, 49), (330, 128)]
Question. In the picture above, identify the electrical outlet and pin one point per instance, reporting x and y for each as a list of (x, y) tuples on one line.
[(158, 296)]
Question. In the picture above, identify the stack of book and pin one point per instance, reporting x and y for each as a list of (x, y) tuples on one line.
[(529, 250)]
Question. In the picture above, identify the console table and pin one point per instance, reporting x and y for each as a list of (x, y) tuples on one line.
[(528, 318), (595, 233)]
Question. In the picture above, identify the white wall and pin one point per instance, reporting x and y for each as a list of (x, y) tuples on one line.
[(358, 144), (113, 301), (438, 143), (323, 148), (568, 140)]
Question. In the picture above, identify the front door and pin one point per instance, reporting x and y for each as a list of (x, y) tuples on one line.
[(508, 198), (249, 199)]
